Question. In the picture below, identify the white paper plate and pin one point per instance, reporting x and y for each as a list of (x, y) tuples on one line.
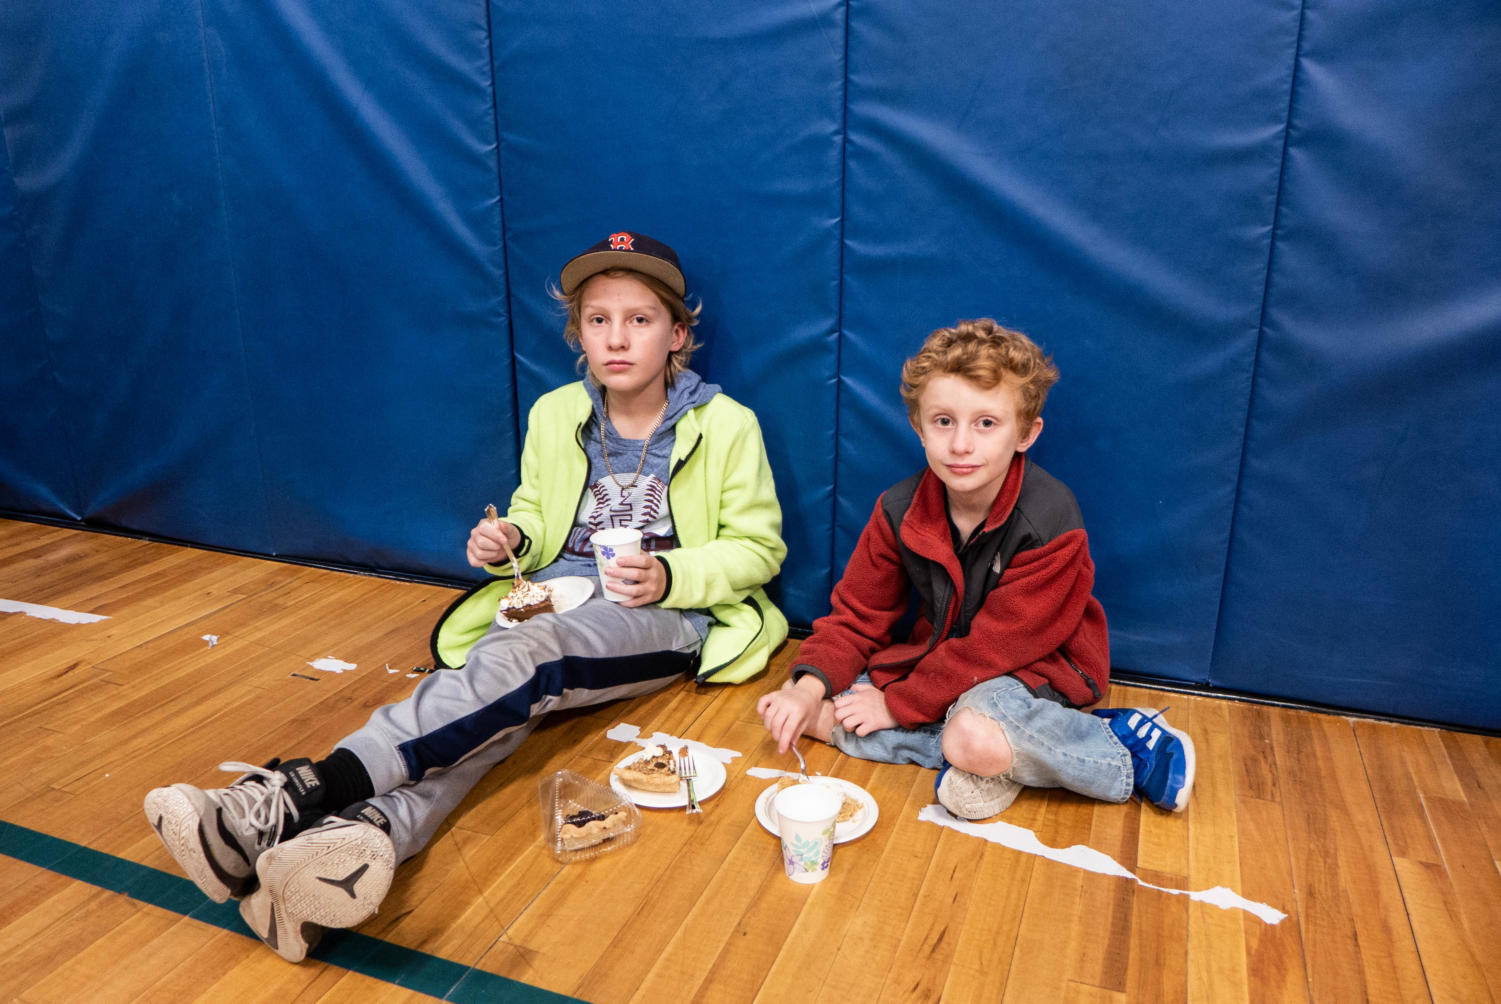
[(857, 827), (710, 779), (568, 591)]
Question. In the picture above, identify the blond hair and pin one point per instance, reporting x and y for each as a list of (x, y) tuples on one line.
[(984, 353)]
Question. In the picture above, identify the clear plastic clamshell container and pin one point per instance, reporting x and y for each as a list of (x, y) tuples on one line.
[(582, 819)]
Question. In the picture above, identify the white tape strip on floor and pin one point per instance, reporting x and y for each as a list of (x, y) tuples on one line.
[(625, 732), (49, 613), (1021, 839)]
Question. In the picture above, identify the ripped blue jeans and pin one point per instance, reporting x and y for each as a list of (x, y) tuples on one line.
[(1052, 746)]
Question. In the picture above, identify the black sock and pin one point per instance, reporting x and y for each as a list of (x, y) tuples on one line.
[(345, 779)]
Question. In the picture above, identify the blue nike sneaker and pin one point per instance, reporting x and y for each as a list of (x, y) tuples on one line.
[(1162, 757)]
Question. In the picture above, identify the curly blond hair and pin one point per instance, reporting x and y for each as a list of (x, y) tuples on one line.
[(985, 353)]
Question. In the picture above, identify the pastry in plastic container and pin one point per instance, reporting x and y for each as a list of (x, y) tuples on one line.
[(582, 819)]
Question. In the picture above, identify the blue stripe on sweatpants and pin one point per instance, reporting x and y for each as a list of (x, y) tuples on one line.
[(426, 753), (446, 746)]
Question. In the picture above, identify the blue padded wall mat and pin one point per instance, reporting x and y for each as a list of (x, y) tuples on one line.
[(1103, 179), (1364, 568), (362, 209), (718, 130), (108, 125), (36, 472)]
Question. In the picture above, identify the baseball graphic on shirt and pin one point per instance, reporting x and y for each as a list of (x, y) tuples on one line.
[(637, 505)]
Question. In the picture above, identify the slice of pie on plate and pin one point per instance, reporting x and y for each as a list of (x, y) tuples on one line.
[(654, 770)]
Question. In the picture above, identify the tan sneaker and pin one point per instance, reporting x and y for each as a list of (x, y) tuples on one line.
[(333, 875), (217, 835), (970, 796)]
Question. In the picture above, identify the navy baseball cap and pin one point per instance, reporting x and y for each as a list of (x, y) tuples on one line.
[(625, 249)]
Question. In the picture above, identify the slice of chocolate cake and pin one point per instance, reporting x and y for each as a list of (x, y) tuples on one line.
[(526, 600)]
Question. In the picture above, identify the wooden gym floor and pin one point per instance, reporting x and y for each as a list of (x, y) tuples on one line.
[(1379, 842)]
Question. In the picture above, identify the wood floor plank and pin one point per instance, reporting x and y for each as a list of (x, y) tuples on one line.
[(1099, 957), (693, 855), (1476, 762), (264, 976), (1053, 914), (1358, 941), (686, 866), (1394, 785), (758, 911), (112, 967), (1275, 968), (1217, 965), (1088, 993), (907, 844), (1455, 971), (930, 939), (1473, 884), (31, 899), (764, 926), (43, 944), (1255, 753), (832, 940), (356, 988), (1158, 968), (801, 968), (634, 871), (735, 900), (203, 964), (987, 941)]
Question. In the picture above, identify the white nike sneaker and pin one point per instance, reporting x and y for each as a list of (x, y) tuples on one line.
[(333, 875)]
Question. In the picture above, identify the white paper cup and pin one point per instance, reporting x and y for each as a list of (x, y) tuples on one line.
[(805, 821), (609, 545)]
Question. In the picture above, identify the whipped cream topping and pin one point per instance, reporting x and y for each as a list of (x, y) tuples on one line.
[(526, 593)]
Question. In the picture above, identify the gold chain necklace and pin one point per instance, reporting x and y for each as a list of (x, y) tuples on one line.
[(626, 489)]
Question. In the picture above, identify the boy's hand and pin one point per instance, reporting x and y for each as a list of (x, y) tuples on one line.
[(791, 711), (639, 577), (485, 546), (863, 710)]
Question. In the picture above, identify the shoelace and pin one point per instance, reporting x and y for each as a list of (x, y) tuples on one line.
[(258, 798), (1142, 732), (1151, 722)]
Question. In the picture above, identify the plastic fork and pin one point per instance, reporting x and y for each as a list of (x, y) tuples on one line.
[(687, 772)]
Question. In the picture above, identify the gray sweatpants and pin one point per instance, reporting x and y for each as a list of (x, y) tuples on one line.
[(425, 753)]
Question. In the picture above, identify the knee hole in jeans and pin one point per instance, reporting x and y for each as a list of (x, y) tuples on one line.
[(976, 744)]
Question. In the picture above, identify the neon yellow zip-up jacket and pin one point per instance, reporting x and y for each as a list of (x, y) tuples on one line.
[(724, 512)]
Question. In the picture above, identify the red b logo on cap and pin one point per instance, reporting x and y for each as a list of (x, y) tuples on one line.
[(622, 242)]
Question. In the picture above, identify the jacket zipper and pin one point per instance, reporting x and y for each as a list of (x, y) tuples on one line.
[(1093, 689), (750, 600), (761, 626), (932, 640)]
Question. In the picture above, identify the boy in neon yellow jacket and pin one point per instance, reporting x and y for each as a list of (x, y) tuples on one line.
[(724, 509), (307, 845)]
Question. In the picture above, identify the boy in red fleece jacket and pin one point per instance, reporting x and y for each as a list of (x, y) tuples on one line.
[(1009, 642)]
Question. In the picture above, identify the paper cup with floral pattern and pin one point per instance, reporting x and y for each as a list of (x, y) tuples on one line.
[(805, 821), (608, 545)]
